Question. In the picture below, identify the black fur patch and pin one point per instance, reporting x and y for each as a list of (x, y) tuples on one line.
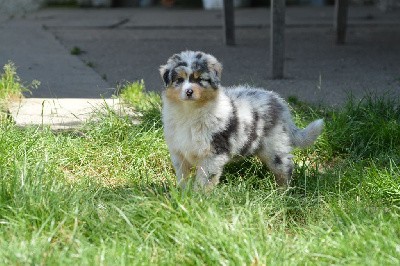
[(277, 160), (252, 133), (220, 140), (182, 64), (199, 55), (166, 77), (214, 79), (174, 75), (275, 110), (176, 57), (200, 65)]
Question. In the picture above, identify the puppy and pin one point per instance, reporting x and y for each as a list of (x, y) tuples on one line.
[(206, 125)]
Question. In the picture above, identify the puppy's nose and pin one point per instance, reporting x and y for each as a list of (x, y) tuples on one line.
[(189, 92)]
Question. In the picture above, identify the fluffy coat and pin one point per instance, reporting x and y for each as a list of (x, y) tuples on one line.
[(206, 125)]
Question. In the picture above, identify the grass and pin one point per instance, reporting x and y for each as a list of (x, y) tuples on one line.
[(76, 51), (106, 196), (11, 84)]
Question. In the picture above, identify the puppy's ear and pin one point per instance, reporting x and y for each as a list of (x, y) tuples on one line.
[(164, 72), (215, 65), (215, 68)]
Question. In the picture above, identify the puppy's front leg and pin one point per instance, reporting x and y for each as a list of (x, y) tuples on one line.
[(182, 169), (209, 171)]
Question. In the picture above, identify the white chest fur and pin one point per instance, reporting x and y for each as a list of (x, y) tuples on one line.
[(187, 134), (189, 130)]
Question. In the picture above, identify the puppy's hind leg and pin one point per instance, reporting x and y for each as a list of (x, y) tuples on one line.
[(281, 165), (182, 169), (209, 171), (275, 153)]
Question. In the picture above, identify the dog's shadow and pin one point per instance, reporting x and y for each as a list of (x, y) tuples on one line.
[(249, 170), (258, 176)]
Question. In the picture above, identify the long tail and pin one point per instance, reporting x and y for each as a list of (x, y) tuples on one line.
[(305, 137)]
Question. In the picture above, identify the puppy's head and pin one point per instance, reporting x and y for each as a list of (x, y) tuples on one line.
[(191, 76)]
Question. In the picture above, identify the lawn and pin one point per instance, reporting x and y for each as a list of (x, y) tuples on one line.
[(106, 195)]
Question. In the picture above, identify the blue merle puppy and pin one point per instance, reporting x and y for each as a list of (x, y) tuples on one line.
[(206, 125)]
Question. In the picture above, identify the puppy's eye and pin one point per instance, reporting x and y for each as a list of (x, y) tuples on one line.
[(195, 80), (179, 80)]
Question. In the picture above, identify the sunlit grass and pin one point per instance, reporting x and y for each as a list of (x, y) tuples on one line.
[(11, 84), (106, 195)]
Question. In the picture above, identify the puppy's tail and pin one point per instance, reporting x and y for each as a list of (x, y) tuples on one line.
[(305, 137)]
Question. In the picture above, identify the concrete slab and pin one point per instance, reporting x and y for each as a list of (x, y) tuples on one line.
[(38, 55), (62, 114)]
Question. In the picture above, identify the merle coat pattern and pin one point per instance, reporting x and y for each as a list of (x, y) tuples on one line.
[(206, 125)]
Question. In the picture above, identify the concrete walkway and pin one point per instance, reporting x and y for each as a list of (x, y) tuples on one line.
[(63, 114), (130, 44), (39, 55)]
